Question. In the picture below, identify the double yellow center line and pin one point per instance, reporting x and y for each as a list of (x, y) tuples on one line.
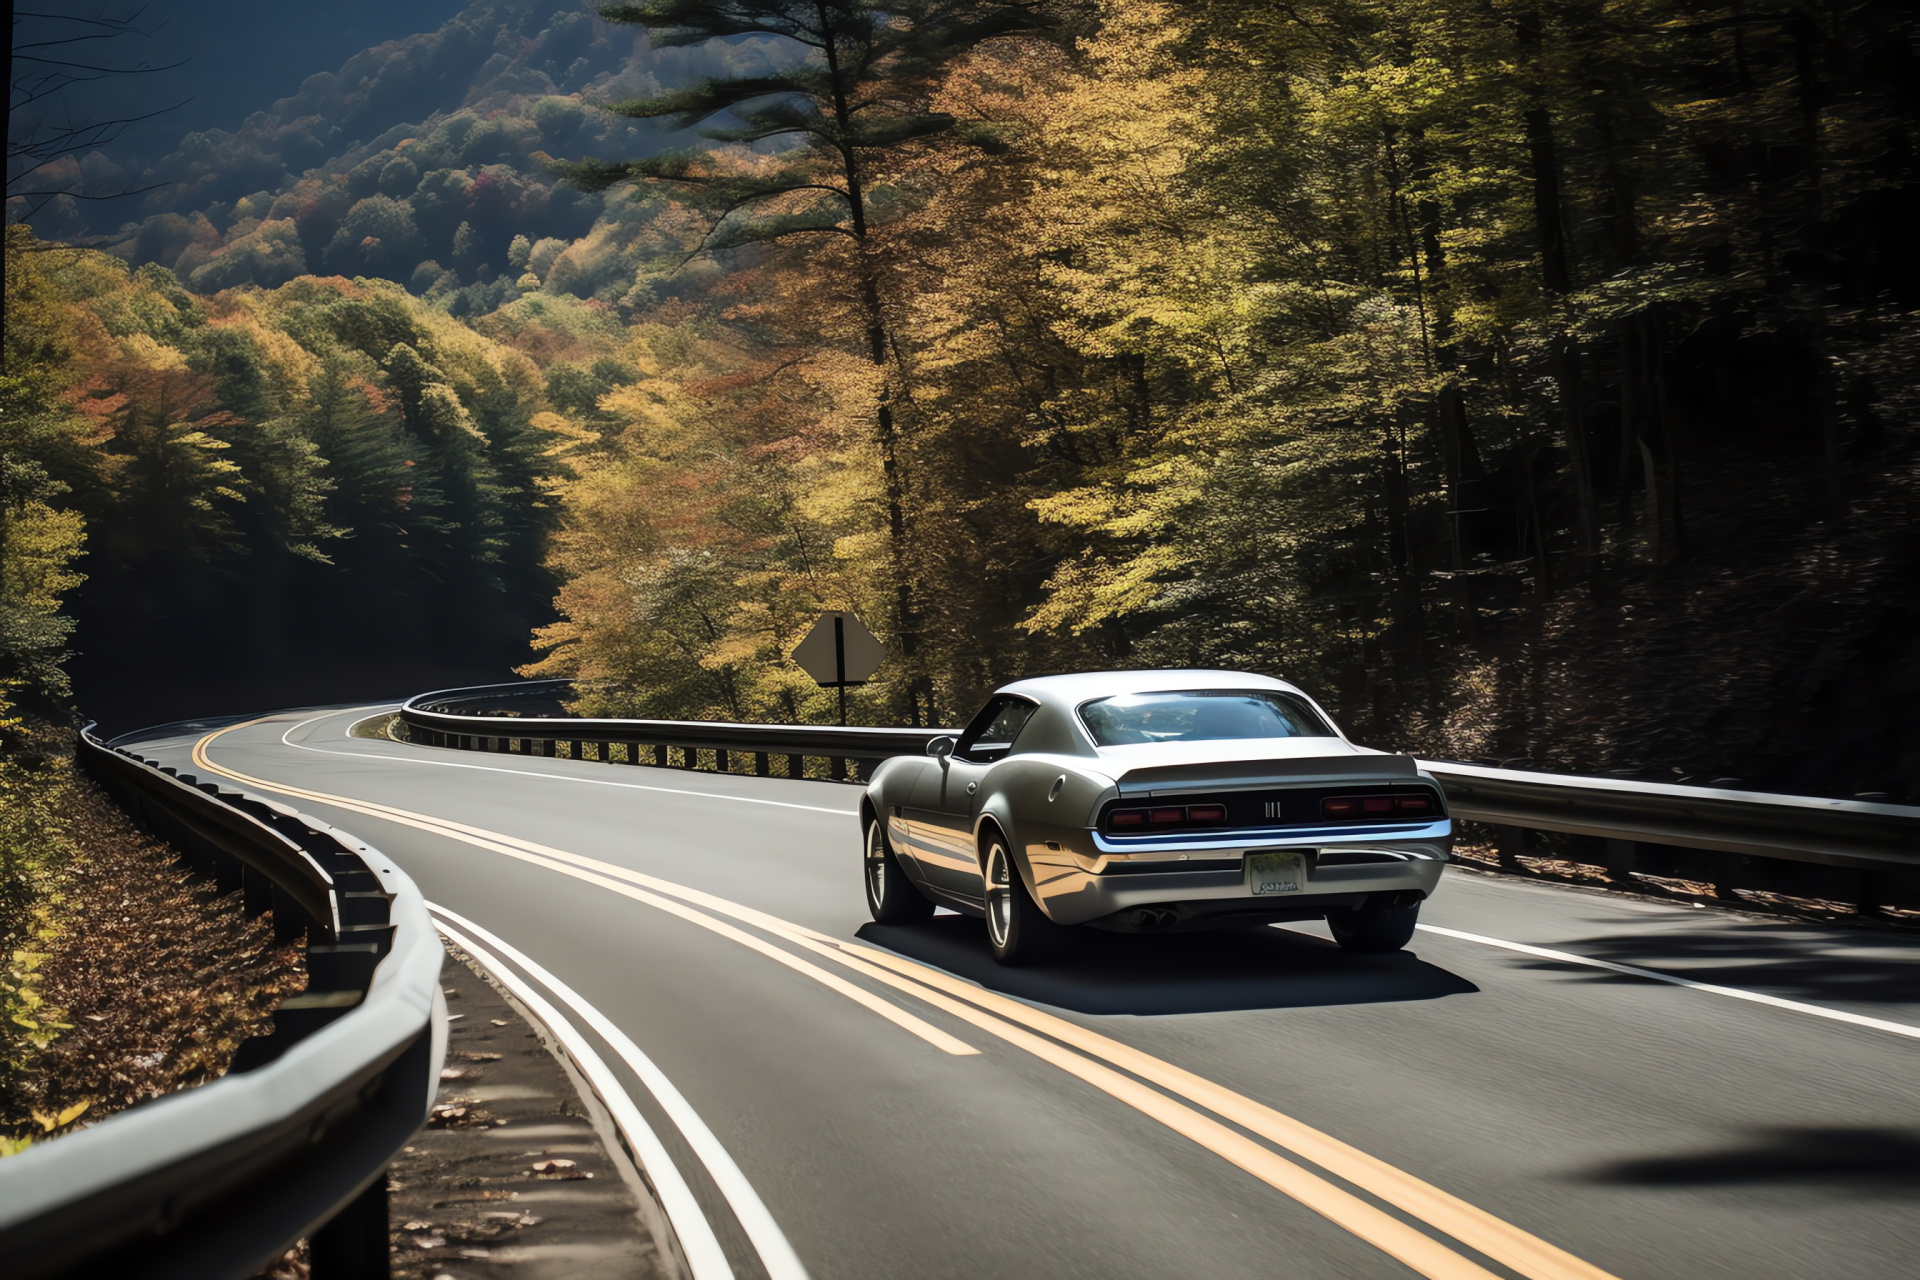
[(1117, 1069)]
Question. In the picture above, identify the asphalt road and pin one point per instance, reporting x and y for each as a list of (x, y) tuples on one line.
[(1243, 1104)]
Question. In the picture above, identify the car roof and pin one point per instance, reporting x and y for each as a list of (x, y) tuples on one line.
[(1068, 691)]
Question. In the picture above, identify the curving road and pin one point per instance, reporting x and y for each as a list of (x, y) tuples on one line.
[(1550, 1083)]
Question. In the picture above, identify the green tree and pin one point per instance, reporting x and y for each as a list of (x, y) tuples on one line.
[(39, 543), (859, 94)]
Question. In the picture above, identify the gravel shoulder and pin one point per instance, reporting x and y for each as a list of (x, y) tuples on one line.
[(519, 1172)]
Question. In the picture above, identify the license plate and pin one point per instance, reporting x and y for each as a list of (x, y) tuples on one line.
[(1277, 872)]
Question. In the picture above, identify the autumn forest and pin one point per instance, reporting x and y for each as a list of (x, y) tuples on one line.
[(1535, 383)]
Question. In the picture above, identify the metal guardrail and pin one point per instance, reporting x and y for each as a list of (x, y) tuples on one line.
[(1841, 833), (218, 1180), (431, 720), (1631, 819)]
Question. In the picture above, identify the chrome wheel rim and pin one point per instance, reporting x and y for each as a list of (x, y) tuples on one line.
[(876, 865), (999, 895)]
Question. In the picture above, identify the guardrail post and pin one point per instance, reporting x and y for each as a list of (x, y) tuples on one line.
[(1727, 874), (1868, 900), (720, 760), (796, 766), (289, 920), (760, 764), (256, 891), (353, 1246), (1618, 857), (1508, 844)]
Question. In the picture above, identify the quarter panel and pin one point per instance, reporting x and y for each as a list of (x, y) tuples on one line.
[(1045, 804)]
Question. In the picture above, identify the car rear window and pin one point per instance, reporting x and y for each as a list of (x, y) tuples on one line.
[(1200, 715)]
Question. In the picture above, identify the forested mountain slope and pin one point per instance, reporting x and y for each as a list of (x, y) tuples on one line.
[(418, 160)]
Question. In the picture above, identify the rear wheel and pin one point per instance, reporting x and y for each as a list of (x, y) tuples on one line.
[(891, 897), (1380, 924), (1017, 930)]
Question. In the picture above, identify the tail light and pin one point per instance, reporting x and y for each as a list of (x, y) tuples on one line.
[(1167, 817), (1266, 809), (1375, 808)]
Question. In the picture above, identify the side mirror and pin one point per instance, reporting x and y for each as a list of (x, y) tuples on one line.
[(940, 748)]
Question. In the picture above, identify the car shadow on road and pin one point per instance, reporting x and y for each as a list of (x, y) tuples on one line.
[(1212, 972), (1796, 962), (1851, 1162)]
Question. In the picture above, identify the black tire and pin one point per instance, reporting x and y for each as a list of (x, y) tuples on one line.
[(891, 897), (1018, 932), (1377, 925)]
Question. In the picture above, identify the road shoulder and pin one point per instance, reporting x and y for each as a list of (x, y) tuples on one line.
[(517, 1172)]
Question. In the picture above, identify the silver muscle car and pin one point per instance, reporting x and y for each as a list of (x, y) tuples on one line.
[(1153, 800)]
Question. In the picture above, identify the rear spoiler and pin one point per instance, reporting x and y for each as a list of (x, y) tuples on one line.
[(1304, 769)]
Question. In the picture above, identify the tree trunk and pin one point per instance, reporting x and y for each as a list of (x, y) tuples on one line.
[(1556, 271), (1459, 459), (906, 598)]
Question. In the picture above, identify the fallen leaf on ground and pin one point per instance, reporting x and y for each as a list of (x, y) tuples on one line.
[(557, 1170)]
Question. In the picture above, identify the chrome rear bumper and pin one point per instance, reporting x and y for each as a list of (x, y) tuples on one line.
[(1202, 884)]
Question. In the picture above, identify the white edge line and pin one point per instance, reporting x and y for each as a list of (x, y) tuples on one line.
[(704, 1255), (1736, 993), (557, 777), (776, 1254), (286, 738)]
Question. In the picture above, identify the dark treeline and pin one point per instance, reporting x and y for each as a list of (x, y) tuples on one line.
[(279, 499)]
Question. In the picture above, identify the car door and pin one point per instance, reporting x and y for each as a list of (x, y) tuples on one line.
[(906, 777), (945, 803)]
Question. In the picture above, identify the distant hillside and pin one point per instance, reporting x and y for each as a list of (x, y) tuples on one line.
[(415, 162)]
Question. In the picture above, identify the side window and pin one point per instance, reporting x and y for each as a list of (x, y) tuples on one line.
[(992, 732)]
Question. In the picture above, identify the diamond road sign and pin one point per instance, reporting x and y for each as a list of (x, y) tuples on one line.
[(840, 651)]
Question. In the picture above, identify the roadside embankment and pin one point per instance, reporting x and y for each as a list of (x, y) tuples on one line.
[(126, 976), (514, 1175)]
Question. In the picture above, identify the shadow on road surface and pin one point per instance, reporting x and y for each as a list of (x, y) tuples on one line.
[(1109, 973), (1842, 1161), (1799, 963)]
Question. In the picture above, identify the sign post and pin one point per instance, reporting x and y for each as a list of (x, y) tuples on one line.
[(839, 651)]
